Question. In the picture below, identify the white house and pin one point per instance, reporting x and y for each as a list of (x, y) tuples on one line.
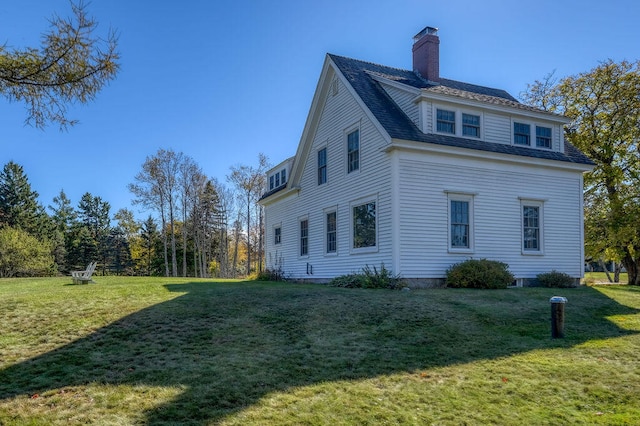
[(418, 172)]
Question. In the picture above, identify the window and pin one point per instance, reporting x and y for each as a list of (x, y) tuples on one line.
[(322, 166), (277, 235), (446, 121), (277, 179), (271, 182), (521, 133), (353, 151), (283, 176), (543, 137), (364, 225), (532, 227), (460, 222), (304, 237), (471, 125), (331, 232)]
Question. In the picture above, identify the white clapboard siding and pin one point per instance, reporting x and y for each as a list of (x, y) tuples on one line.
[(339, 114), (497, 128), (497, 217), (406, 101)]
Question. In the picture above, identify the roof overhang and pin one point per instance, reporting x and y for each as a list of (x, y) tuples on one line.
[(426, 147)]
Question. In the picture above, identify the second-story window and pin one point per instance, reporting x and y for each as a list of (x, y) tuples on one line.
[(283, 176), (272, 182), (304, 237), (521, 134), (353, 151), (543, 137), (446, 121), (322, 166), (471, 125), (277, 180)]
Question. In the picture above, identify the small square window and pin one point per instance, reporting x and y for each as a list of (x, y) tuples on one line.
[(446, 121), (543, 137), (521, 134)]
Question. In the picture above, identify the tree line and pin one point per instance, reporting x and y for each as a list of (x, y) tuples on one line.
[(196, 226)]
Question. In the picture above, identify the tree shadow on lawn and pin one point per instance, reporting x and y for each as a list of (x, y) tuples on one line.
[(230, 345)]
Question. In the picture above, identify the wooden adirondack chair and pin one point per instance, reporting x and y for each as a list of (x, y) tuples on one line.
[(84, 277)]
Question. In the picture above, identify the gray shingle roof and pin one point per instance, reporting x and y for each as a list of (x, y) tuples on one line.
[(399, 125)]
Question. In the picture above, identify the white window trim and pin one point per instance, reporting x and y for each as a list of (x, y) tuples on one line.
[(325, 212), (346, 133), (532, 133), (299, 233), (360, 202), (326, 165), (461, 196), (458, 125), (533, 203), (277, 225)]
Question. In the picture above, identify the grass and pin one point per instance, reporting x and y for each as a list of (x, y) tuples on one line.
[(177, 351), (601, 277)]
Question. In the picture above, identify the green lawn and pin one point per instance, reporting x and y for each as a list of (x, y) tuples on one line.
[(176, 351), (601, 277)]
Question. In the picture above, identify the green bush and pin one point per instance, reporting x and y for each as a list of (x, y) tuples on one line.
[(556, 279), (369, 278), (479, 273)]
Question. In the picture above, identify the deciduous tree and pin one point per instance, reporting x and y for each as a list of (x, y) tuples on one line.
[(604, 104)]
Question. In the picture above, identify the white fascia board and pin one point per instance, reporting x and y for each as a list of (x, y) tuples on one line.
[(509, 110), (406, 145), (279, 196)]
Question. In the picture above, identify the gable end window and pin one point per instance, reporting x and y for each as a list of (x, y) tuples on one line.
[(471, 125), (322, 166), (543, 137), (446, 121), (332, 242), (521, 134), (304, 237), (364, 225), (353, 151)]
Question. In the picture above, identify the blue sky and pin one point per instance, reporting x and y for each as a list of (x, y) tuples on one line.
[(223, 80)]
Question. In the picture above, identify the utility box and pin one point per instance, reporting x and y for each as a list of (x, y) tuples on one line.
[(557, 316)]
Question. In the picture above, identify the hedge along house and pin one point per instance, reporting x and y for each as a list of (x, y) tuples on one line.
[(418, 172)]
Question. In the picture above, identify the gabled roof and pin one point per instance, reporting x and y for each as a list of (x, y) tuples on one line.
[(362, 75)]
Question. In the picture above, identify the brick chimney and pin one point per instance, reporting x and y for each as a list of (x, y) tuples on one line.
[(426, 54)]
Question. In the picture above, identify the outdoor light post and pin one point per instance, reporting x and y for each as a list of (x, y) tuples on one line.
[(557, 316)]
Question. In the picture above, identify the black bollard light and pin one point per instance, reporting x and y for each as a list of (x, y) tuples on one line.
[(557, 316)]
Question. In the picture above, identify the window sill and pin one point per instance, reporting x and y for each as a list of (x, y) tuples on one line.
[(364, 250), (461, 250), (532, 253)]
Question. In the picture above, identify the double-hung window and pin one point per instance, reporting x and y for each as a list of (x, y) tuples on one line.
[(353, 151), (532, 230), (543, 137), (304, 237), (322, 166), (446, 121), (277, 235), (471, 125), (272, 182), (283, 176), (364, 225), (521, 133), (332, 228), (460, 222)]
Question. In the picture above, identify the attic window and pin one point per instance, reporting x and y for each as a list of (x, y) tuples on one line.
[(334, 87), (446, 121)]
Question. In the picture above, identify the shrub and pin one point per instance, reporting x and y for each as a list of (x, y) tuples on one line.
[(479, 273), (369, 278), (270, 275), (555, 279)]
